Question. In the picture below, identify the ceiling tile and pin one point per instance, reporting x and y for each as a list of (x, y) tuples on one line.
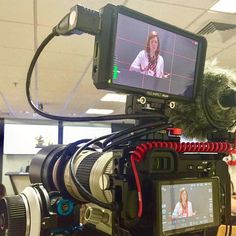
[(16, 35), (65, 61), (75, 44), (47, 16), (17, 11), (15, 57), (189, 3), (12, 73), (227, 57), (171, 14), (3, 107), (53, 14), (212, 51)]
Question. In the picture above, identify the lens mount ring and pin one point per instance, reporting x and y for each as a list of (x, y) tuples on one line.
[(32, 196)]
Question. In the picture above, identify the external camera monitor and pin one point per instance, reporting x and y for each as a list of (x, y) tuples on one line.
[(187, 205), (137, 54)]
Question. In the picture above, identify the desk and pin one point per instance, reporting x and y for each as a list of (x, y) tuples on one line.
[(19, 181)]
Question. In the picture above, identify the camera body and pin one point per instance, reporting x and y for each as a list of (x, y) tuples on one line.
[(163, 173), (163, 169)]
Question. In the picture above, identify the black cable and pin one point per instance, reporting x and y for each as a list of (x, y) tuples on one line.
[(31, 68), (84, 193), (135, 136), (230, 229), (129, 137), (65, 157), (128, 131)]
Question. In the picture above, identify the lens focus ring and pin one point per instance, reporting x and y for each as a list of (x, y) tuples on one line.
[(12, 216)]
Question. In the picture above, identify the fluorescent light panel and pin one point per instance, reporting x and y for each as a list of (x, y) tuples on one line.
[(112, 97), (99, 111), (228, 6)]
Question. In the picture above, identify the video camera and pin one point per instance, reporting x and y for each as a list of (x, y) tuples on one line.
[(142, 180)]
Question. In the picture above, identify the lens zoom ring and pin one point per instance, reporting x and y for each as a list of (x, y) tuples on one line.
[(14, 213), (84, 169)]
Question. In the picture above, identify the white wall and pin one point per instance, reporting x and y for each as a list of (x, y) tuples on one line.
[(13, 163)]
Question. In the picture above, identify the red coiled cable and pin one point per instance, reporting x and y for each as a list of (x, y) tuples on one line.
[(140, 151)]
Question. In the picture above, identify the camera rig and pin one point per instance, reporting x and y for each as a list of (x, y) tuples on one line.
[(121, 183), (127, 183)]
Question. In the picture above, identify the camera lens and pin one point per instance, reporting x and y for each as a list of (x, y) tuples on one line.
[(41, 166), (91, 170), (51, 167), (12, 216)]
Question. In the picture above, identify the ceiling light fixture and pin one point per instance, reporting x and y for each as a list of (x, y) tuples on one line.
[(99, 111), (113, 97), (228, 6)]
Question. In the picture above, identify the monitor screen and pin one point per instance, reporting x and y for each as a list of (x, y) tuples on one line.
[(189, 205), (153, 58)]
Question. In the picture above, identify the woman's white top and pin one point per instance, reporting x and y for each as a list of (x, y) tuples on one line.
[(142, 60)]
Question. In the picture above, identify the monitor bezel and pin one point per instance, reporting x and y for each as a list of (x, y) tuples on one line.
[(104, 49), (158, 227)]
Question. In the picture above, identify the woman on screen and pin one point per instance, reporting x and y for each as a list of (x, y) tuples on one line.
[(184, 207), (149, 61)]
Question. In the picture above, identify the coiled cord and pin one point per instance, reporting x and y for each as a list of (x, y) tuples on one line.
[(219, 147)]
